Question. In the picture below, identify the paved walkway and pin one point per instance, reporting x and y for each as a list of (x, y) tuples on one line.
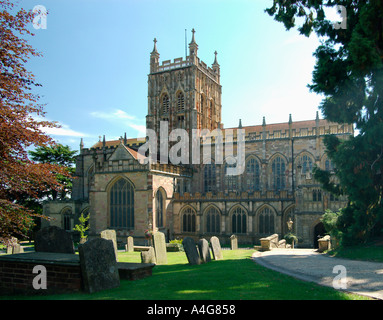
[(365, 278)]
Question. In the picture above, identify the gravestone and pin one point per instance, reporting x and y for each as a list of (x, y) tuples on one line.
[(98, 265), (129, 247), (191, 251), (204, 250), (216, 248), (11, 244), (53, 239), (148, 256), (18, 249), (160, 247), (234, 242), (110, 235)]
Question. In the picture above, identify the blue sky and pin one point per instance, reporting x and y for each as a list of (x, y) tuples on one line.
[(96, 61)]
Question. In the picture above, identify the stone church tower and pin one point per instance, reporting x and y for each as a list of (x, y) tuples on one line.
[(184, 93)]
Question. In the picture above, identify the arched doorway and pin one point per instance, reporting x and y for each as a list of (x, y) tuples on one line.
[(319, 232)]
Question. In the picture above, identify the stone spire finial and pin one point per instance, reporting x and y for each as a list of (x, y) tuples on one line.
[(215, 63), (193, 47), (155, 46), (193, 39)]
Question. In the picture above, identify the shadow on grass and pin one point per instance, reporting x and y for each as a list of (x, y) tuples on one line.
[(237, 277)]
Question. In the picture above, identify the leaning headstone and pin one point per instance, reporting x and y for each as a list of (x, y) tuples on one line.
[(204, 250), (160, 247), (191, 251), (18, 249), (110, 235), (129, 247), (216, 248), (148, 256), (98, 265), (233, 242), (53, 239)]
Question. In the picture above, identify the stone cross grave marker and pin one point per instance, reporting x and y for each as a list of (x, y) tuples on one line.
[(216, 248), (53, 239), (234, 242), (191, 251), (129, 247), (110, 235), (160, 247), (148, 256), (204, 250), (98, 265)]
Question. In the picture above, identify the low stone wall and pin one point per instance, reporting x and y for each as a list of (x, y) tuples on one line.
[(63, 273)]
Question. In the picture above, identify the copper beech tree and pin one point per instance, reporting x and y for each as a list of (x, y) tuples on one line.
[(20, 178)]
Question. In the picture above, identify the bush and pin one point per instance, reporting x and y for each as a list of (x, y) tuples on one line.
[(290, 237)]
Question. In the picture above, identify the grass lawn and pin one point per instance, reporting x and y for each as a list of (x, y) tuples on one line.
[(236, 277)]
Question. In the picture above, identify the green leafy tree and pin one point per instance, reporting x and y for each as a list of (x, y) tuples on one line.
[(62, 156), (349, 74)]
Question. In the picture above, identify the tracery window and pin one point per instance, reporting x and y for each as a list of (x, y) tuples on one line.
[(188, 220), (306, 163), (278, 173), (213, 220), (266, 221), (165, 103), (209, 177), (160, 208), (121, 206), (180, 102), (252, 175), (239, 221)]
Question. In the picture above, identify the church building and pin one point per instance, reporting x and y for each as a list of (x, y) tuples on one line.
[(121, 191)]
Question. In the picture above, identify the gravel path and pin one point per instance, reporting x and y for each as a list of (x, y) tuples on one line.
[(361, 277)]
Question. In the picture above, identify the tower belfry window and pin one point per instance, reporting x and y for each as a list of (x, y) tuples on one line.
[(180, 102), (165, 104)]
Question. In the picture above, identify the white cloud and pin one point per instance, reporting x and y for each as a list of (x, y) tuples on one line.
[(123, 118), (116, 115), (64, 131)]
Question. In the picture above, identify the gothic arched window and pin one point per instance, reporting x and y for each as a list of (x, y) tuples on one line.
[(165, 103), (188, 220), (231, 181), (160, 209), (239, 221), (278, 168), (266, 221), (306, 163), (180, 102), (209, 177), (252, 175), (67, 219), (121, 197), (213, 220)]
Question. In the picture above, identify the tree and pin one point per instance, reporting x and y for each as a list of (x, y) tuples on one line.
[(349, 74), (62, 156), (82, 227), (19, 129)]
